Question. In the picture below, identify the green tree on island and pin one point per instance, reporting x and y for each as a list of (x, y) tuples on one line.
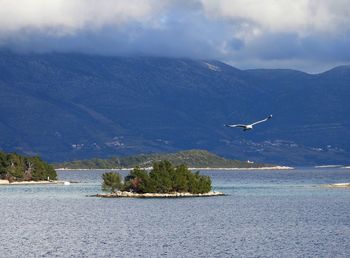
[(163, 178), (139, 181), (14, 167), (111, 182)]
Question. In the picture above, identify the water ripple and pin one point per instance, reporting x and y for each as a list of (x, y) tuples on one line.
[(259, 218)]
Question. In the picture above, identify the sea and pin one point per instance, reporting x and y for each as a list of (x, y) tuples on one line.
[(265, 213)]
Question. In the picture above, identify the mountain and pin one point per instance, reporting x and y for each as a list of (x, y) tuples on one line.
[(75, 106), (191, 158)]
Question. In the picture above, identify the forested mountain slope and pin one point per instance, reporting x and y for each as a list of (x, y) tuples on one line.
[(75, 106)]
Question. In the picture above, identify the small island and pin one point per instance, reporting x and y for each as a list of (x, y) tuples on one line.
[(162, 181), (17, 169)]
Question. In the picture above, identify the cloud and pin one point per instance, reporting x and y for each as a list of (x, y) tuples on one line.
[(299, 16), (65, 17), (172, 28), (247, 33)]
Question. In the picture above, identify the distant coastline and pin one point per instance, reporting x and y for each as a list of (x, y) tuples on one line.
[(257, 168), (205, 168), (196, 159), (329, 166)]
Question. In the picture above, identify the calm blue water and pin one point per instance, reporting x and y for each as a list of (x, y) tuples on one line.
[(266, 214)]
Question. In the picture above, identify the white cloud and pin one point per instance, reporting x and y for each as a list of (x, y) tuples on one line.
[(253, 16), (67, 16), (299, 16), (251, 32)]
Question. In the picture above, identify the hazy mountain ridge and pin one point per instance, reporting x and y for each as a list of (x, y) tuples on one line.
[(72, 106)]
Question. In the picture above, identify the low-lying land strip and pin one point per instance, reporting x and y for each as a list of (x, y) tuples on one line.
[(338, 185), (196, 159)]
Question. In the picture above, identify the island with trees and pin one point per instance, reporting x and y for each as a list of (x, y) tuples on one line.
[(15, 168), (163, 180)]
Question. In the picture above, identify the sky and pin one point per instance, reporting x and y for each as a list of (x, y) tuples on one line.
[(308, 35)]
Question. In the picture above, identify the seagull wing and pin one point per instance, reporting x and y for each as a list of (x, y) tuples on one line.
[(233, 126), (261, 121)]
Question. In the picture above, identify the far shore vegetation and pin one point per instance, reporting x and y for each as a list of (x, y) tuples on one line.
[(162, 178), (15, 168), (191, 158)]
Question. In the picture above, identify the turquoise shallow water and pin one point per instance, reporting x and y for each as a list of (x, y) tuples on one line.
[(265, 214)]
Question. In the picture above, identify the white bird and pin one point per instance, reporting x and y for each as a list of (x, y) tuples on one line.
[(249, 126)]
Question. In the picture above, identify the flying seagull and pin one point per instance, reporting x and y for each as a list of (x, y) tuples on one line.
[(249, 126)]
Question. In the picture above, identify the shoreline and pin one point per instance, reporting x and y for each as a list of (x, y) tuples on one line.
[(123, 194), (329, 166), (337, 185), (203, 168), (261, 168), (6, 182)]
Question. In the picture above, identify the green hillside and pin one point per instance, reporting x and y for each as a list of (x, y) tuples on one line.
[(66, 107), (190, 158)]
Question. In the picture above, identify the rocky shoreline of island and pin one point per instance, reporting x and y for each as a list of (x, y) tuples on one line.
[(126, 194)]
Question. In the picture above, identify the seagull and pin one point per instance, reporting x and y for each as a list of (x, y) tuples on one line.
[(249, 126)]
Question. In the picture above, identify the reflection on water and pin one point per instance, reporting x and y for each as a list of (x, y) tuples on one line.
[(266, 213)]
